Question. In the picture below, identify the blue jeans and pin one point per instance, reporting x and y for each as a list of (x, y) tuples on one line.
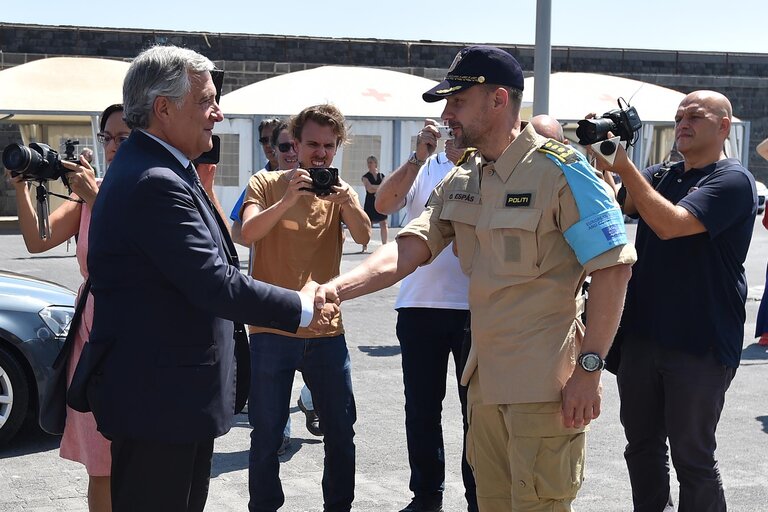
[(324, 363), (428, 336), (306, 398)]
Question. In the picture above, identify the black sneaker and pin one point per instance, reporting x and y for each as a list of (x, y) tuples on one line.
[(420, 504), (313, 422)]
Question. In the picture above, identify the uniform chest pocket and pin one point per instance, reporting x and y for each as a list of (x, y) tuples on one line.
[(463, 217), (512, 235)]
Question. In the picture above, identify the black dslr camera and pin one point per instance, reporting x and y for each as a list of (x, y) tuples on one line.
[(323, 179), (623, 122), (38, 162)]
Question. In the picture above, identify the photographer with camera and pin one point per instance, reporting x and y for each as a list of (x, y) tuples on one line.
[(81, 441), (294, 219), (683, 324)]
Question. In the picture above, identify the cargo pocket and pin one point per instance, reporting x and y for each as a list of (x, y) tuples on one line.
[(547, 460), (559, 468), (513, 242)]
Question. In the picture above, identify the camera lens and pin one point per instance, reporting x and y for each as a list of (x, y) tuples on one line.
[(16, 158), (322, 178), (594, 130)]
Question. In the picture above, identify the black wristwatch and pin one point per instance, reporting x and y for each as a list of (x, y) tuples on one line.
[(591, 362)]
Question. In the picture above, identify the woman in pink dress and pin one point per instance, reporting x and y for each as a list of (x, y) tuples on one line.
[(81, 441)]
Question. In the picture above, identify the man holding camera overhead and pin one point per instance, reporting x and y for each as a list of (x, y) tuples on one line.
[(530, 221), (294, 217), (683, 325)]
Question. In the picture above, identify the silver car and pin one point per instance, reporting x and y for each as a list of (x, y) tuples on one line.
[(34, 321)]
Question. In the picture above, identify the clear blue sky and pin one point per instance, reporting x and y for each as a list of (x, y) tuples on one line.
[(662, 24)]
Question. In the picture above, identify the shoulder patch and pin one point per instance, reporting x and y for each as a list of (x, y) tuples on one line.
[(560, 151), (467, 154)]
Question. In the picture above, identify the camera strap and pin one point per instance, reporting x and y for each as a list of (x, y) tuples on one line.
[(658, 176)]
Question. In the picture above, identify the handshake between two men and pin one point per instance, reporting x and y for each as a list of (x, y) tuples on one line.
[(324, 311)]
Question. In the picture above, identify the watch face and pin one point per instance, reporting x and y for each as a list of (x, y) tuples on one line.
[(590, 362)]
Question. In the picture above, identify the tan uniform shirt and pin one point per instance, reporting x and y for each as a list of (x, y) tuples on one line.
[(524, 276), (304, 245)]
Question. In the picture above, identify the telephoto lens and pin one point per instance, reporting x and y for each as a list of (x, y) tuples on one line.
[(16, 158), (34, 163)]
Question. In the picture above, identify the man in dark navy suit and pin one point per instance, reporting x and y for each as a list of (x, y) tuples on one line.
[(167, 289)]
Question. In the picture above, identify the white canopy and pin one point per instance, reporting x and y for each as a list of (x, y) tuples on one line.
[(61, 89), (573, 95), (357, 91)]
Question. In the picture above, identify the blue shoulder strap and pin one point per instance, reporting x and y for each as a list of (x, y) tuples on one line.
[(601, 223)]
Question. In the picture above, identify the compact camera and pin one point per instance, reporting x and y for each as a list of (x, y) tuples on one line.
[(446, 132), (38, 162), (624, 122), (323, 180)]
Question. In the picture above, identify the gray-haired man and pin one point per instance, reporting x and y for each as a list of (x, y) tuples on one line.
[(166, 288)]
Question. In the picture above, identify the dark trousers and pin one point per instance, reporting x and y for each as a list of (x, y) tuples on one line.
[(668, 394), (325, 366), (153, 476), (427, 337)]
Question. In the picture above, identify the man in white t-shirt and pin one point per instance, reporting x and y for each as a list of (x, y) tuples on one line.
[(432, 313)]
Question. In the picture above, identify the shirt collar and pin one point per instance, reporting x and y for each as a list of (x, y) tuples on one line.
[(183, 160), (514, 153)]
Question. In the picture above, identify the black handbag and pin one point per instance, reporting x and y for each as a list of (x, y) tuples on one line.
[(53, 401)]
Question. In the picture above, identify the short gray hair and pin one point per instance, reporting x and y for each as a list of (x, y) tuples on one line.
[(159, 71)]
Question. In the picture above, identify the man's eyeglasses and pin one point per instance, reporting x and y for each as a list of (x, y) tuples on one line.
[(263, 140), (285, 147), (105, 138)]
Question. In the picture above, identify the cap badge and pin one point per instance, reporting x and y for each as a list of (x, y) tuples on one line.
[(449, 90), (456, 60)]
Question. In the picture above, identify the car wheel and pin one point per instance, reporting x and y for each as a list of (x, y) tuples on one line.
[(14, 396)]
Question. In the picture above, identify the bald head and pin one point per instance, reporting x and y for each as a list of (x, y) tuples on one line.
[(702, 124), (712, 101), (548, 126)]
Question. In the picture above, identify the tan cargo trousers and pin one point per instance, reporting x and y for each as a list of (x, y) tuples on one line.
[(523, 458)]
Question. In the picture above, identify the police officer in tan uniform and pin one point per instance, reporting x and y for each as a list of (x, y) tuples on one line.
[(530, 221)]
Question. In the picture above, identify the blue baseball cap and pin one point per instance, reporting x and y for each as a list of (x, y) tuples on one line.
[(479, 64)]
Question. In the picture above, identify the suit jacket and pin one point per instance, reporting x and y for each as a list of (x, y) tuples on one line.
[(164, 301)]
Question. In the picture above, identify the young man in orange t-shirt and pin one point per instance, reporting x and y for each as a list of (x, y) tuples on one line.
[(297, 236)]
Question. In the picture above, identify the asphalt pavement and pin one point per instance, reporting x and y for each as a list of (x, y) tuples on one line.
[(34, 477)]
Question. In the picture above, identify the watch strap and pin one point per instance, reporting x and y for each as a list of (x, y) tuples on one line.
[(414, 160)]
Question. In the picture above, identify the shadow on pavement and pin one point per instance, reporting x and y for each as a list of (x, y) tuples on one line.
[(755, 352), (29, 440), (380, 351), (764, 421), (235, 461)]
